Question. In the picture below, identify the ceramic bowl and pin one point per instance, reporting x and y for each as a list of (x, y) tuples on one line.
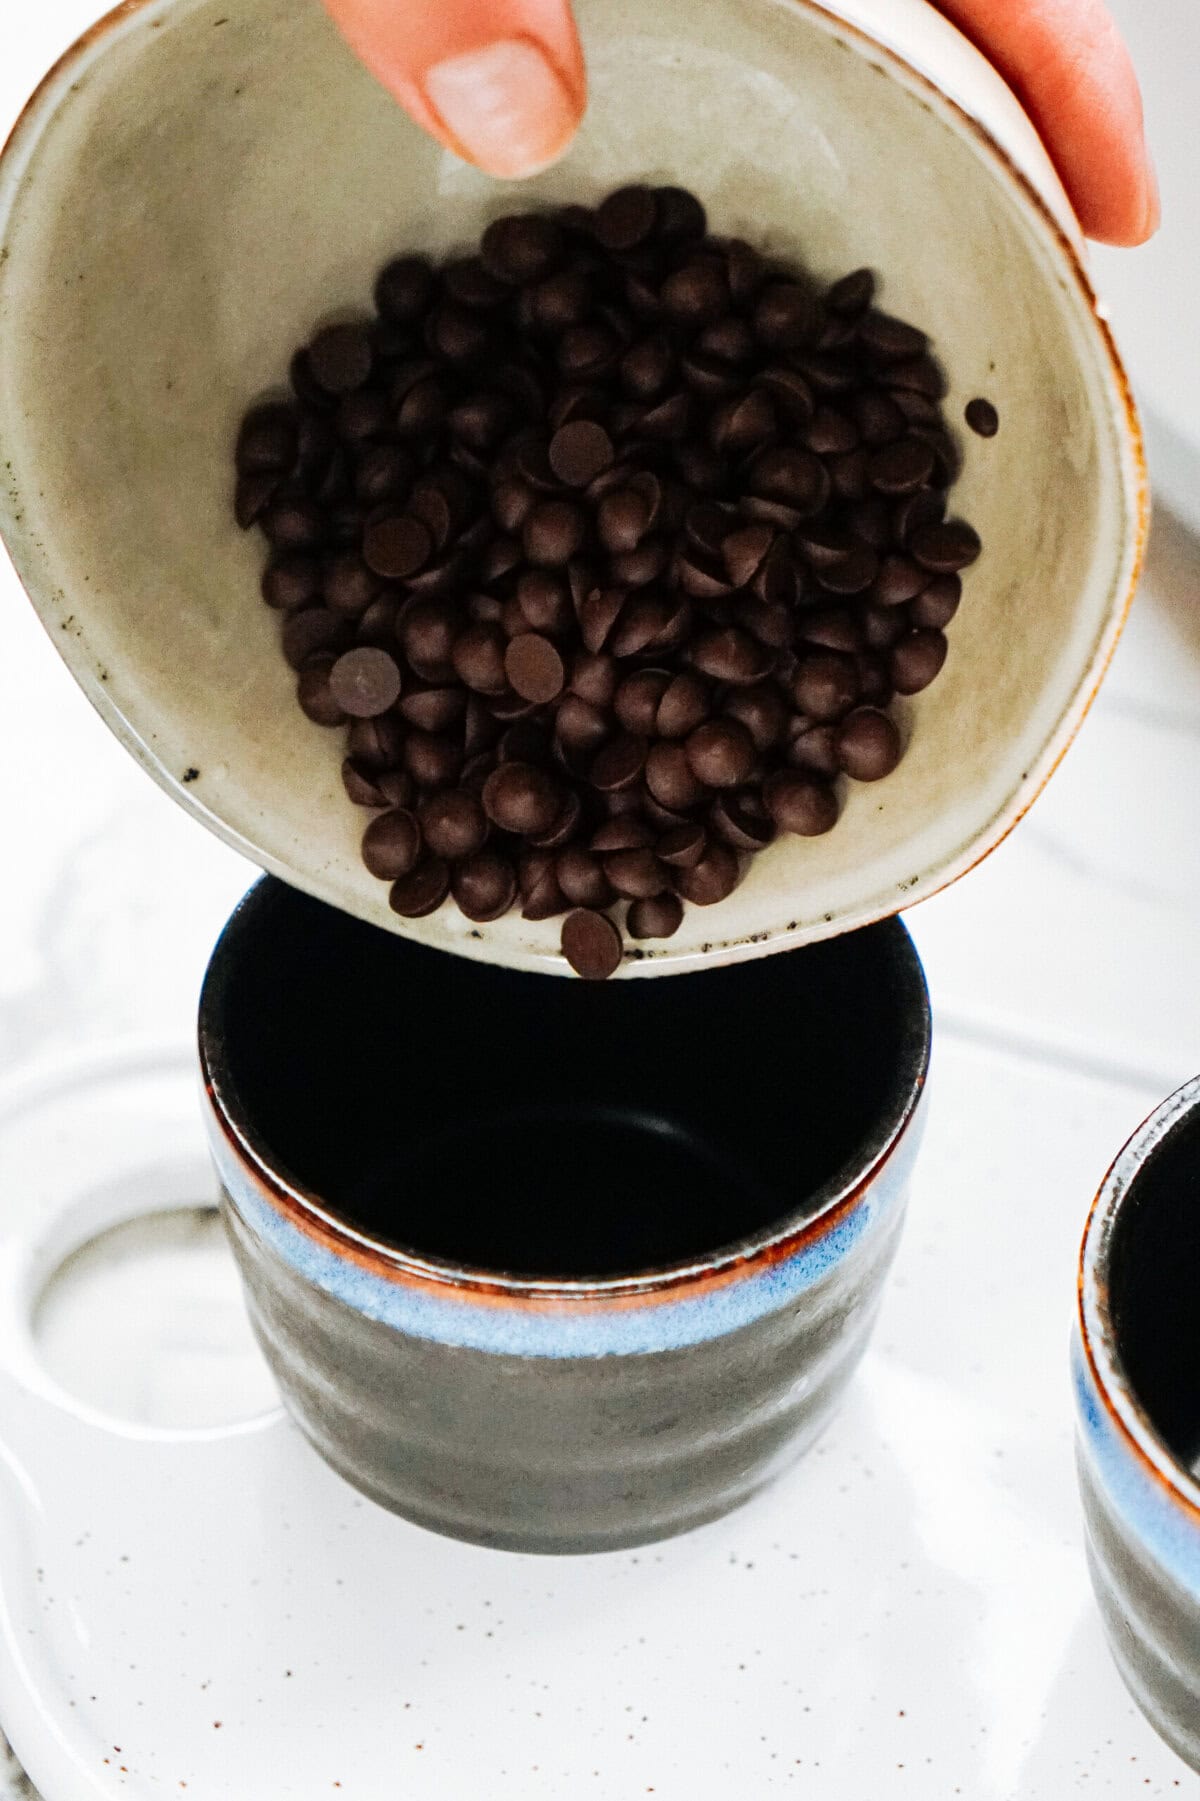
[(548, 1266), (198, 183), (1136, 1354)]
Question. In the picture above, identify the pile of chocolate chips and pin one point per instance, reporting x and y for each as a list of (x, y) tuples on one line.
[(611, 545)]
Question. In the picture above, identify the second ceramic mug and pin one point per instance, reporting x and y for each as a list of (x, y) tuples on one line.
[(547, 1265), (1136, 1355)]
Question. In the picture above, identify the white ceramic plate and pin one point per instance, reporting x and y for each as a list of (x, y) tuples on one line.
[(906, 1614)]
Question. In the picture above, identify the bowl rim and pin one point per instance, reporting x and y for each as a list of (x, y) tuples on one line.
[(797, 1231), (1097, 1337), (1127, 451)]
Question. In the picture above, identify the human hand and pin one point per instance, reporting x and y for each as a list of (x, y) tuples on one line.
[(502, 82)]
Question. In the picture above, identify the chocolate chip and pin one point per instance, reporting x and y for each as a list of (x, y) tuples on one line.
[(785, 316), (360, 786), (267, 441), (315, 694), (579, 452), (521, 798), (553, 532), (937, 604), (376, 743), (696, 294), (901, 467), (680, 217), (826, 685), (763, 712), (427, 630), (521, 247), (646, 368), (635, 874), (581, 878), (742, 821), (853, 294), (292, 580), (392, 844), (432, 759), (340, 358), (484, 886), (594, 678), (422, 892), (868, 745), (534, 667), (682, 846), (731, 655), (288, 524), (622, 519), (452, 824), (946, 548), (541, 896), (889, 340), (660, 916), (802, 804), (365, 682), (720, 753), (898, 579), (710, 880), (591, 944), (619, 764), (396, 546), (559, 301), (982, 417), (311, 630), (744, 552), (670, 778), (404, 288), (916, 660), (350, 587), (684, 705)]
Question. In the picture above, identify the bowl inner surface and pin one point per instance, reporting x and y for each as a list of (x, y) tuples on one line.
[(1153, 1285), (503, 1122), (221, 177)]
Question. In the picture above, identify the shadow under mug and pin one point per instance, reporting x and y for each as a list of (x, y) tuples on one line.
[(552, 1265), (1136, 1363)]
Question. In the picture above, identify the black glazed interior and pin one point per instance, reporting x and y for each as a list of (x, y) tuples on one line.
[(538, 1126), (1154, 1288)]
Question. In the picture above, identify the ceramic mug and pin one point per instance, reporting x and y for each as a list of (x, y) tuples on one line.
[(1136, 1357), (196, 184), (555, 1266)]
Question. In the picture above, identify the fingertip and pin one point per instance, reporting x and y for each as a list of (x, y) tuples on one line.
[(500, 82), (504, 106)]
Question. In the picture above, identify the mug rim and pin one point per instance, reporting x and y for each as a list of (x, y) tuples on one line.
[(1094, 1324), (1128, 456), (795, 1231)]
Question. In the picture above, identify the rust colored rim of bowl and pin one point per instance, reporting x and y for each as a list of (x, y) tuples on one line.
[(1097, 1338), (798, 1230), (1013, 811)]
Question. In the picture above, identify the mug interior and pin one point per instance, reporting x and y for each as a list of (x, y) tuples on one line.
[(203, 183), (504, 1123), (1153, 1275)]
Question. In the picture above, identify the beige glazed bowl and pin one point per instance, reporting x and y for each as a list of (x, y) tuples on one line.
[(200, 181)]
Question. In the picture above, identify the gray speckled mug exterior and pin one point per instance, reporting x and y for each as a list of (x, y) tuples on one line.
[(1141, 1498), (568, 1414)]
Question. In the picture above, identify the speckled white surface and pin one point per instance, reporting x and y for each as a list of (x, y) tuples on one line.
[(907, 1615)]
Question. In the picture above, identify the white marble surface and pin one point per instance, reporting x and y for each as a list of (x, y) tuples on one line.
[(1065, 975)]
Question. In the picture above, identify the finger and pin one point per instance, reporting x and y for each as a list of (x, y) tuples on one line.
[(1066, 61), (501, 82)]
